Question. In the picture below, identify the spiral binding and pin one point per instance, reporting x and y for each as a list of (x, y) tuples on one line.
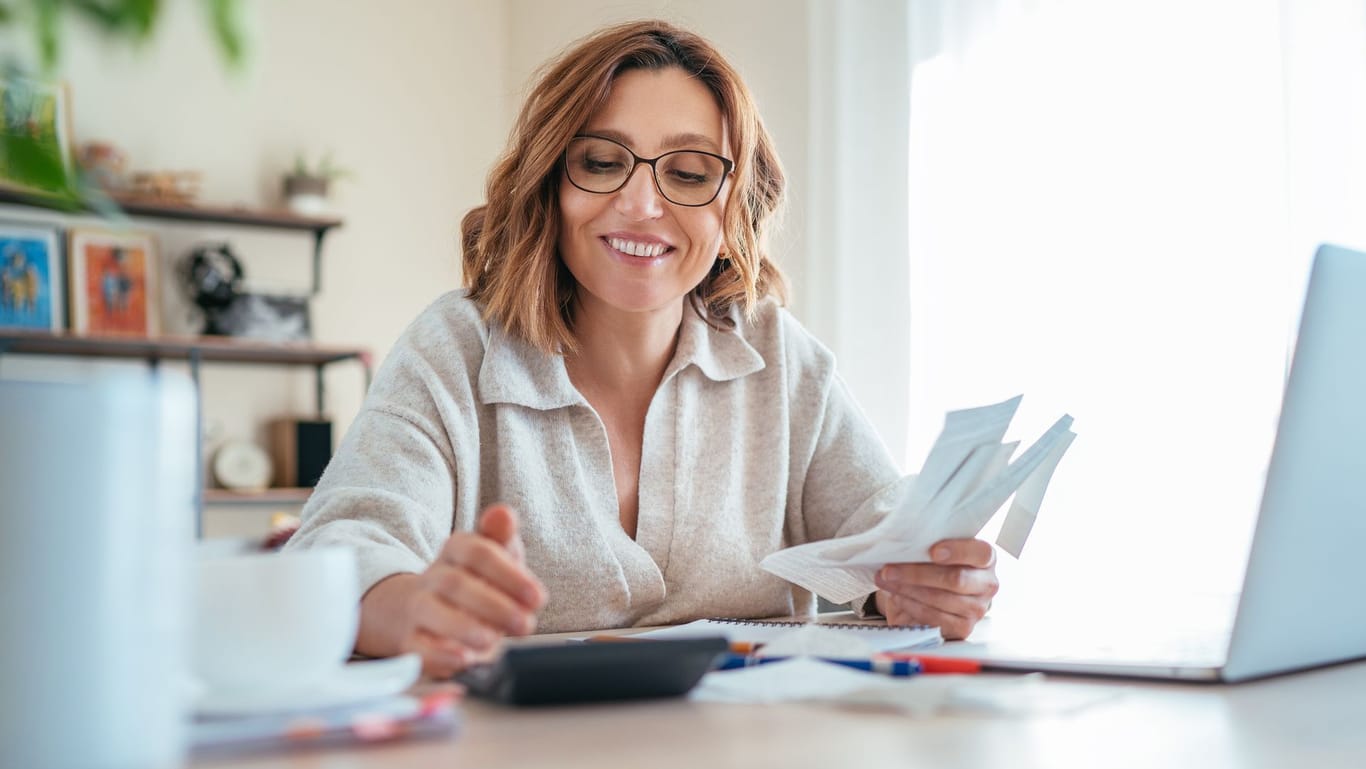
[(794, 623)]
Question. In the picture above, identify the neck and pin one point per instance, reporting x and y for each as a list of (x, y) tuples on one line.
[(619, 351)]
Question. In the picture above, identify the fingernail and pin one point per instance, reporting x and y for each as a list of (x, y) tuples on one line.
[(885, 577), (532, 597), (940, 553)]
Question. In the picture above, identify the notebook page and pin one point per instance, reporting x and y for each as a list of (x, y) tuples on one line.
[(879, 637)]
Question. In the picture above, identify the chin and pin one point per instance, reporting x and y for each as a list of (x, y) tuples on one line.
[(637, 298)]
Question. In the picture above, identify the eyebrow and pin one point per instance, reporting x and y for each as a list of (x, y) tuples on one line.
[(670, 142)]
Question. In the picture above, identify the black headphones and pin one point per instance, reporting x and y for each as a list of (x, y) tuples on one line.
[(213, 276)]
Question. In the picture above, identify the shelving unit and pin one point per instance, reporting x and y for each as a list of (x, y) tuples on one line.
[(244, 217), (196, 351), (266, 497)]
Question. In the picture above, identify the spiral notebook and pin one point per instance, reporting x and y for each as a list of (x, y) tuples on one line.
[(758, 631)]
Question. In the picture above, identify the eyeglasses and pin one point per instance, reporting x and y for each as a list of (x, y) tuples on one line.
[(683, 177)]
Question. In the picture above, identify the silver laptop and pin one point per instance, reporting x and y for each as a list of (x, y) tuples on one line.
[(1303, 599)]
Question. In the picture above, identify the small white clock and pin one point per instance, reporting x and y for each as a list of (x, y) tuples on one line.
[(242, 466)]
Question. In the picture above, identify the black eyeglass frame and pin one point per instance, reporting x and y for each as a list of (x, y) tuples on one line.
[(636, 161)]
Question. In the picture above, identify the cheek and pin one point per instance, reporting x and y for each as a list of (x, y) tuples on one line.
[(576, 210), (717, 216), (704, 230)]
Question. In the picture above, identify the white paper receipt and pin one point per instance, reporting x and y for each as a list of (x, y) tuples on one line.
[(967, 478)]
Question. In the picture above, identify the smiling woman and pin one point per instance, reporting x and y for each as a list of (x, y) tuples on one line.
[(578, 99), (616, 421), (602, 232)]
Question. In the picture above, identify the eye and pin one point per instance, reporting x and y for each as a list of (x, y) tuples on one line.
[(688, 177), (601, 165), (691, 169)]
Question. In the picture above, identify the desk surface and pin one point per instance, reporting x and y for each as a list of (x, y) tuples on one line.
[(1315, 718)]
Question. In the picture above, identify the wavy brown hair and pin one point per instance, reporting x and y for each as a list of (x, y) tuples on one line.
[(511, 261)]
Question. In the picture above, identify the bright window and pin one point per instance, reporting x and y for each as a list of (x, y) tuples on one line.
[(1099, 220)]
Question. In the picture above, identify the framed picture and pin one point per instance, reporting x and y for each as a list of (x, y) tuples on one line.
[(35, 136), (113, 281), (31, 287)]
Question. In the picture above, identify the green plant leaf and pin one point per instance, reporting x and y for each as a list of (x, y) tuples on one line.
[(128, 20), (134, 18), (32, 165), (47, 17), (224, 19)]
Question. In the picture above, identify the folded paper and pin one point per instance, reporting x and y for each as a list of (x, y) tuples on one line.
[(966, 479)]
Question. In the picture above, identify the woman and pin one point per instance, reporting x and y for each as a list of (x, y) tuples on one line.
[(616, 421)]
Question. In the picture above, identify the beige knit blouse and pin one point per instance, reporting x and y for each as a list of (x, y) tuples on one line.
[(752, 443)]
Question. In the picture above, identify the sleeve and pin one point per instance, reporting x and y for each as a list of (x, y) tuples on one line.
[(390, 491), (851, 482), (388, 494)]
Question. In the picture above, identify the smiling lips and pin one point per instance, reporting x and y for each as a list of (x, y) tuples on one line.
[(645, 249)]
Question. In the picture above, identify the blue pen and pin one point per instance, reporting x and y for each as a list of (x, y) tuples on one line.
[(894, 668)]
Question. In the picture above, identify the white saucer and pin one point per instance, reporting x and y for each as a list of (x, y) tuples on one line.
[(351, 683)]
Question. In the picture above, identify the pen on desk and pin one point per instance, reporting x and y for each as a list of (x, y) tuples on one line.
[(887, 667), (932, 664)]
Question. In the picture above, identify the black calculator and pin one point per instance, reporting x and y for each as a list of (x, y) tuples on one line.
[(594, 671)]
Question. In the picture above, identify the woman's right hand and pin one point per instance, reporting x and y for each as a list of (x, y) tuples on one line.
[(476, 592)]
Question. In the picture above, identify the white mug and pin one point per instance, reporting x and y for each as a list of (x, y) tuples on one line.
[(97, 488), (273, 621)]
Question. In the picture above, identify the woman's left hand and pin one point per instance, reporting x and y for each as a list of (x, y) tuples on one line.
[(953, 592)]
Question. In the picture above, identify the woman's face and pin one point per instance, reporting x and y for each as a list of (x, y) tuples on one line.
[(633, 250)]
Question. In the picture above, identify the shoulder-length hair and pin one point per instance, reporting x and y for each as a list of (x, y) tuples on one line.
[(511, 262)]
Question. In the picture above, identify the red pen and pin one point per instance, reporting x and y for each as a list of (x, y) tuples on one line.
[(932, 664)]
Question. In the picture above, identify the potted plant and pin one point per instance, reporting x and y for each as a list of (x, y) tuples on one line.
[(306, 186)]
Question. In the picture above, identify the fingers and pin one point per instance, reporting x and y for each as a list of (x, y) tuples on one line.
[(477, 592), (460, 589), (441, 658), (972, 607), (494, 564), (953, 592), (448, 638), (963, 580), (964, 552), (905, 610), (498, 523)]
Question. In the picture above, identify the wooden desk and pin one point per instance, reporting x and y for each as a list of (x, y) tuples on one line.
[(1311, 719)]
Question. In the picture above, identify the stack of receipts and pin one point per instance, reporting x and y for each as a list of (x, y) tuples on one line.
[(967, 477)]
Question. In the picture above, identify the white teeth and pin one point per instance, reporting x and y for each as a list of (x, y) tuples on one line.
[(633, 248)]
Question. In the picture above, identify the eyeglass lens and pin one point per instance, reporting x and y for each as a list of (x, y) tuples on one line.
[(684, 177)]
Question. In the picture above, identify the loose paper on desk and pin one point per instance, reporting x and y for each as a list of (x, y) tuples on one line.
[(967, 477), (811, 680)]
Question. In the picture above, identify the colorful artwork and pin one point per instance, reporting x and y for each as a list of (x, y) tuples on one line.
[(113, 283), (30, 279), (35, 148)]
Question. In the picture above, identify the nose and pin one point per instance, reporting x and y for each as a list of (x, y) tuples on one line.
[(639, 198)]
